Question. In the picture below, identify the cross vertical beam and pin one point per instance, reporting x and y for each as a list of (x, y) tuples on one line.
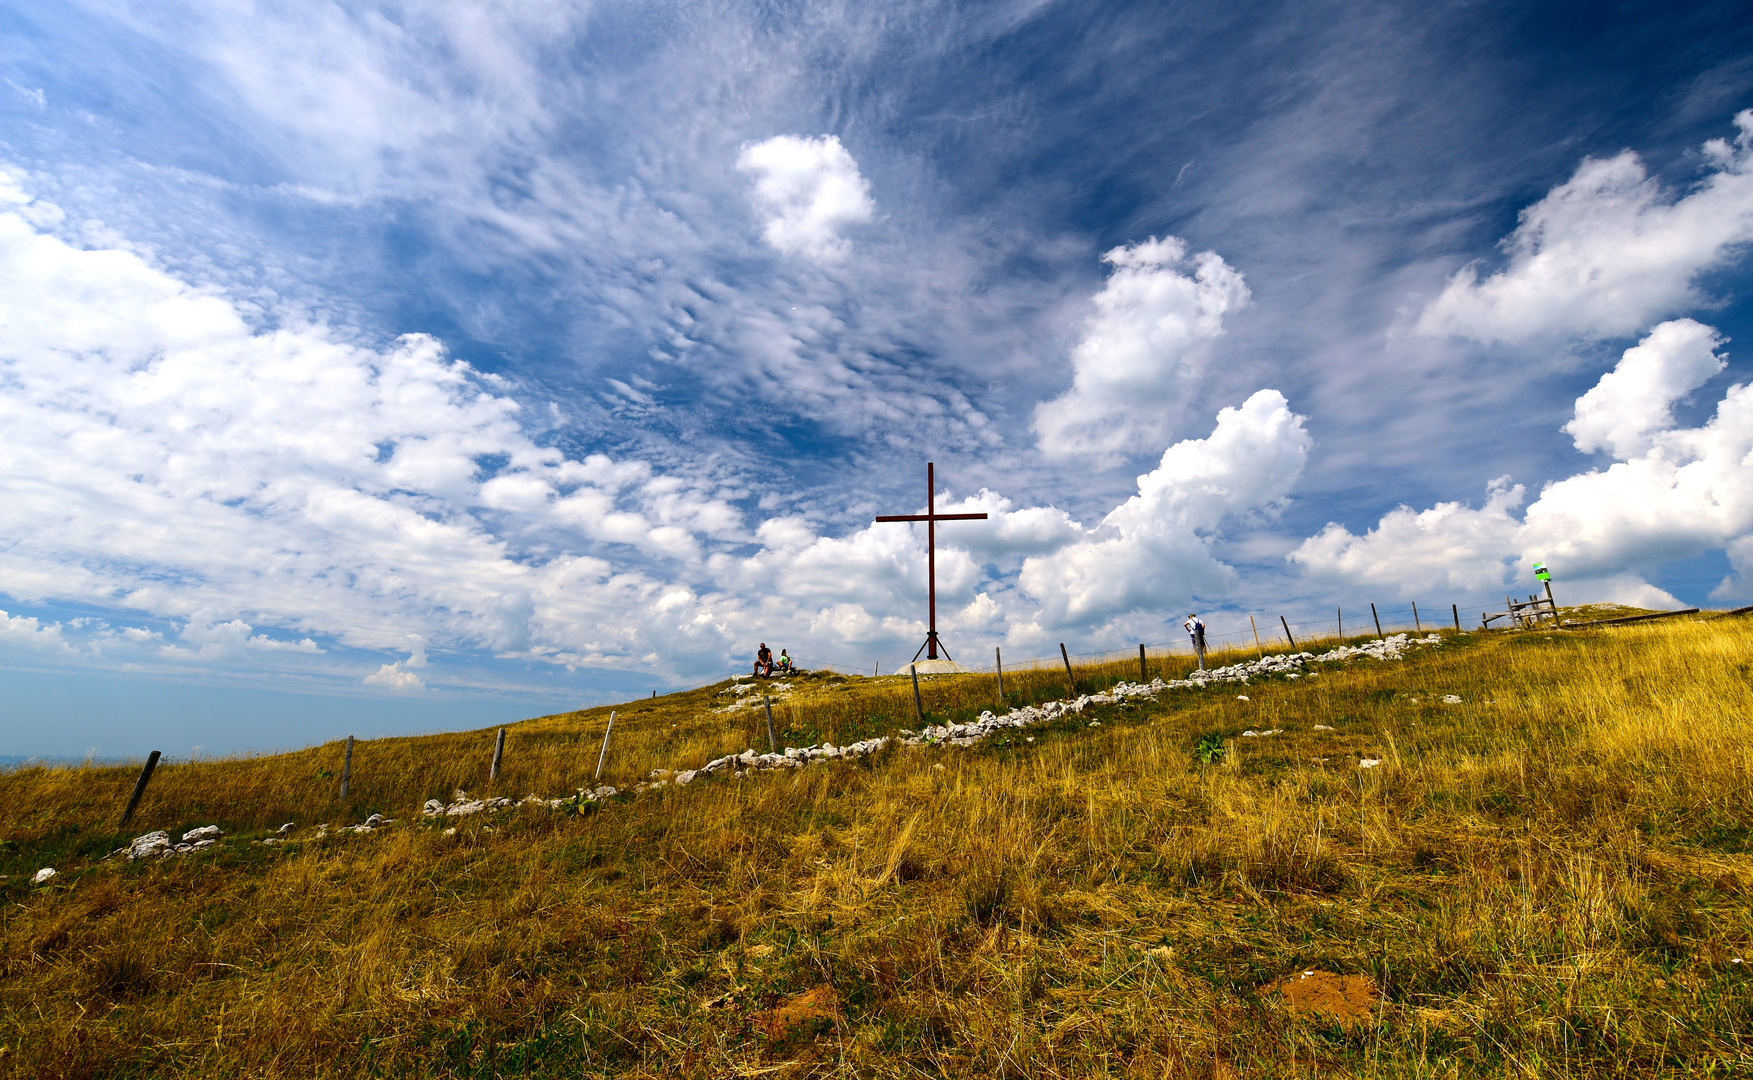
[(931, 517)]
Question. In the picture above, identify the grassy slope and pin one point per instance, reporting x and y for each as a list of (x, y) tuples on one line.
[(1551, 877)]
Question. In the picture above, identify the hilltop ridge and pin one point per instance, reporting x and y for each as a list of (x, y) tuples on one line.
[(1137, 884)]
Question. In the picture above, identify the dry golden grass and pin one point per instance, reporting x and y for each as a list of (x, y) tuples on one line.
[(1551, 878)]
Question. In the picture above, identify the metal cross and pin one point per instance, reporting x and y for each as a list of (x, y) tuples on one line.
[(931, 517)]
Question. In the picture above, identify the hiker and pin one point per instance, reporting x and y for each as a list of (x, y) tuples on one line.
[(1195, 627), (764, 661), (784, 662)]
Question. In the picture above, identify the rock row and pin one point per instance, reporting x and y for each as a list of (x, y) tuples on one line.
[(158, 844), (462, 806), (1290, 664), (989, 724)]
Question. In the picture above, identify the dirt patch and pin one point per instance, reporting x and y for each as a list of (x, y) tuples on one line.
[(1349, 999), (809, 1011)]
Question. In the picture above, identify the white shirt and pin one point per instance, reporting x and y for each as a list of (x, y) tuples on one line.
[(1193, 625)]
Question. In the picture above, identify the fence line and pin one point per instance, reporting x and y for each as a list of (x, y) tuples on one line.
[(1257, 633)]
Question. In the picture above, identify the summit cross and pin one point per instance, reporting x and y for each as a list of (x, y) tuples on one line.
[(931, 517)]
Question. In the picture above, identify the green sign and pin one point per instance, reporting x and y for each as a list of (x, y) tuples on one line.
[(1541, 573)]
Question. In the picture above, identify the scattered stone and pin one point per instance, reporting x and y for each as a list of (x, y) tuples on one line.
[(1323, 727), (1242, 697), (1451, 699), (205, 832), (43, 875), (1257, 734), (153, 843), (371, 824), (1369, 763)]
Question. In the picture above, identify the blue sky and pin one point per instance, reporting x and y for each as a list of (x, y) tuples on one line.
[(378, 368)]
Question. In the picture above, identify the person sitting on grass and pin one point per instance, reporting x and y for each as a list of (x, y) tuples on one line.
[(764, 661), (784, 662)]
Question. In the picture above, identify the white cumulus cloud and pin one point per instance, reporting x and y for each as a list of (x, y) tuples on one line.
[(809, 190), (1142, 350), (1635, 399), (1607, 252), (1153, 551)]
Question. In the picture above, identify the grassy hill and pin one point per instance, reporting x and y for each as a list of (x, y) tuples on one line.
[(1550, 875)]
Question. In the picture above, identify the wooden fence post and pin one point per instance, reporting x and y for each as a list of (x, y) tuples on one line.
[(1456, 610), (1378, 620), (498, 756), (139, 789), (1070, 682), (772, 741), (998, 659), (1341, 613), (347, 769), (610, 730), (1259, 648), (1142, 673), (918, 706), (1416, 625), (1287, 636)]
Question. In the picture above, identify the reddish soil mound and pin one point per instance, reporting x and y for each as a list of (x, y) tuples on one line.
[(800, 1013), (1349, 999)]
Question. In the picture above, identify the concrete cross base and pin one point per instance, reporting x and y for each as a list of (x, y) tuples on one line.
[(935, 667)]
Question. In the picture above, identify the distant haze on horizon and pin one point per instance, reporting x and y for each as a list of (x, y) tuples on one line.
[(370, 369)]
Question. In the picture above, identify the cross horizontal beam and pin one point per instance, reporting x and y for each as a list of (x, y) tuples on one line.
[(932, 517)]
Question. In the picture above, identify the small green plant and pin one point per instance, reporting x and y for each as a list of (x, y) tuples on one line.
[(580, 804), (1208, 749)]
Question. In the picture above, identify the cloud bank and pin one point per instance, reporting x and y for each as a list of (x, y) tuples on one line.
[(268, 490), (1670, 493)]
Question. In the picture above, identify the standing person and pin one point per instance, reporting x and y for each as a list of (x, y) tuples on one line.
[(764, 661), (1195, 627)]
